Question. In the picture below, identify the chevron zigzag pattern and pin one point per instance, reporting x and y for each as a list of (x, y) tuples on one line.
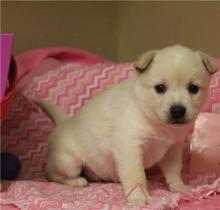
[(25, 131), (213, 104)]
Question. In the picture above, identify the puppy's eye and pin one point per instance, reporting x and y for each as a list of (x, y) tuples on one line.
[(160, 88), (193, 89)]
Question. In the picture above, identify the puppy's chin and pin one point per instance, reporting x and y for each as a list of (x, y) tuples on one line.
[(175, 125)]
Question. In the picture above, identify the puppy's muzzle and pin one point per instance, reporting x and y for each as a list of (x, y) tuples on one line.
[(177, 114)]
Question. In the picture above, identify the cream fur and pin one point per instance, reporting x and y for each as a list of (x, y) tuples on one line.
[(125, 129)]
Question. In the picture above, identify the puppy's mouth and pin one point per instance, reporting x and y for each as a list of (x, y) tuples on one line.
[(177, 121), (180, 122)]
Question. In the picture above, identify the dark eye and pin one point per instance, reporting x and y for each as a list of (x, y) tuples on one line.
[(160, 88), (193, 89)]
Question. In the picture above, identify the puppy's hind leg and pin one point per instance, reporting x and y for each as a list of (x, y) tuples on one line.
[(65, 169)]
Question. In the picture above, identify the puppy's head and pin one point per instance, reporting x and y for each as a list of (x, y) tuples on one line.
[(173, 83)]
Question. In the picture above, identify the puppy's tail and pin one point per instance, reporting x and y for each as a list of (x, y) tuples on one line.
[(57, 114)]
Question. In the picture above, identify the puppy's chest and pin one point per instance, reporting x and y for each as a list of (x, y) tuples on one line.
[(154, 149)]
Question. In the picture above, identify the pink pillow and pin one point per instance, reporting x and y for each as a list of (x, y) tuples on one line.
[(213, 104), (25, 131), (70, 86)]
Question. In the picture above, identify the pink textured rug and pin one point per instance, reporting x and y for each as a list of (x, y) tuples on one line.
[(41, 195)]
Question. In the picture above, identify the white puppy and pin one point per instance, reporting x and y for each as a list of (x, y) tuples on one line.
[(134, 125)]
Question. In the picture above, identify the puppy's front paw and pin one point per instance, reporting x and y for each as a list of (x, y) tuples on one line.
[(138, 197), (174, 187)]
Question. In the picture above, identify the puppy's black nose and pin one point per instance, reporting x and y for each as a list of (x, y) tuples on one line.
[(177, 112)]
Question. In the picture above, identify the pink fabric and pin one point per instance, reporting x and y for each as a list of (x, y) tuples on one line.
[(24, 133), (69, 86), (205, 144), (213, 103), (40, 195), (41, 60)]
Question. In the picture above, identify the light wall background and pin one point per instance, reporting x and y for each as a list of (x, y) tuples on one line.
[(117, 30), (151, 25), (88, 25)]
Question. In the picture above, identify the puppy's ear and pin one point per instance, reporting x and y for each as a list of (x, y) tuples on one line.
[(144, 61), (208, 62)]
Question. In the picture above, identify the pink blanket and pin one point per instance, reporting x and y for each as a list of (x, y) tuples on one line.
[(41, 195), (42, 60), (29, 128)]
